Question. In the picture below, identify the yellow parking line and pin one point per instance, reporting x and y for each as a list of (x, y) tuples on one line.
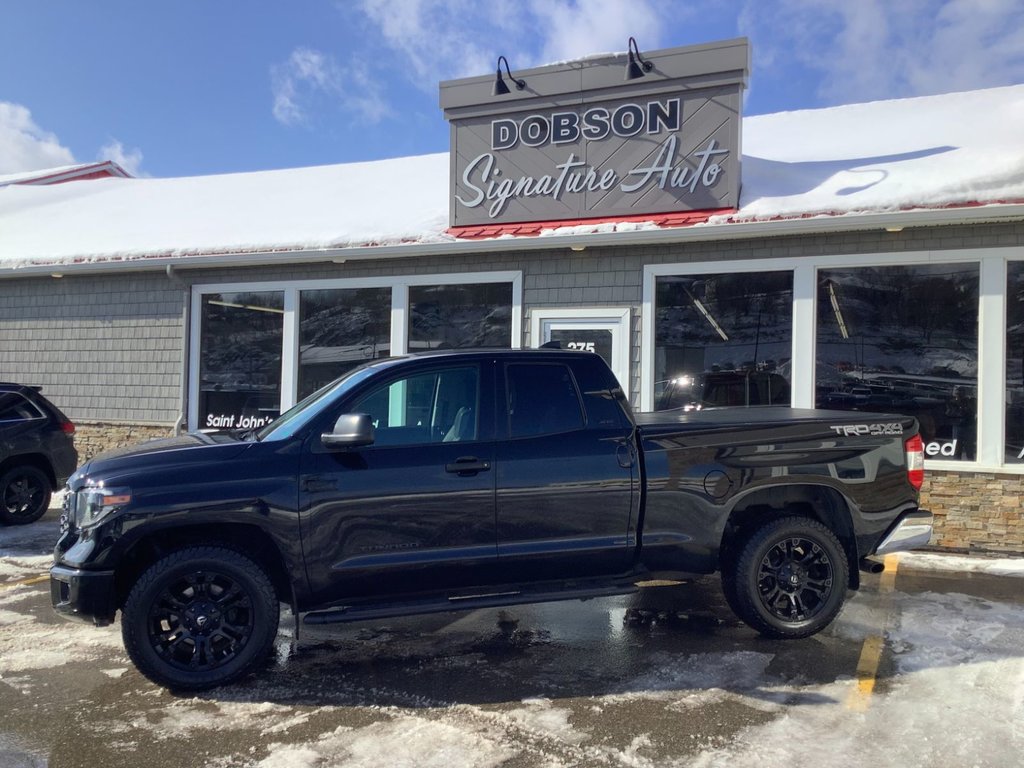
[(29, 580), (871, 653), (887, 581)]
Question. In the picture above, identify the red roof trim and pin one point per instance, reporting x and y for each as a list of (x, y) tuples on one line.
[(902, 209), (106, 169), (534, 228)]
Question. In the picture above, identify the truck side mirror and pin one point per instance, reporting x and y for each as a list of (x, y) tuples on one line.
[(351, 430)]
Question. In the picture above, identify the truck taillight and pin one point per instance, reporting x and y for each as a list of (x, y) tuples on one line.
[(915, 461)]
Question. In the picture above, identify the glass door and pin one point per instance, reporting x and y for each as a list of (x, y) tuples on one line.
[(601, 330)]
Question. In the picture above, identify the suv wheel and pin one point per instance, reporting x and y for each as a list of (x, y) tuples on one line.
[(199, 618), (24, 495), (789, 578)]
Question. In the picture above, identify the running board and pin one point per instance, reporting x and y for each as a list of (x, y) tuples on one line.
[(470, 602)]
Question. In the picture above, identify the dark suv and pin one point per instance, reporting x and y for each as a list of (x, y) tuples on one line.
[(37, 453)]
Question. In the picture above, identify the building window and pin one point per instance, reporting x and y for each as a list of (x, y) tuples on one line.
[(340, 329), (258, 349), (240, 359), (723, 340), (459, 316), (903, 339), (1014, 448)]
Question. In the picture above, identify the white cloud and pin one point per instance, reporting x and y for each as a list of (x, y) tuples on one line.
[(129, 159), (441, 39), (571, 29), (444, 39), (306, 70), (24, 146), (876, 49), (311, 77)]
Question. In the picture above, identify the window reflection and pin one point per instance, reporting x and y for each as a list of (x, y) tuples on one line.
[(240, 359), (1015, 362), (456, 316), (903, 340), (340, 329), (723, 340)]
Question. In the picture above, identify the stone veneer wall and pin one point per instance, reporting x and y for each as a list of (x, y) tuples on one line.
[(976, 511), (92, 438)]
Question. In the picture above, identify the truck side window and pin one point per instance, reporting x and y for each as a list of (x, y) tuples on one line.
[(433, 407), (542, 399)]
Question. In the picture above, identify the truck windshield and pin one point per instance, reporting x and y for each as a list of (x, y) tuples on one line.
[(299, 415)]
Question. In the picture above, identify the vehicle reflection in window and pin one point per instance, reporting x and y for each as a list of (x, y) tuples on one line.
[(718, 389), (723, 340), (903, 340)]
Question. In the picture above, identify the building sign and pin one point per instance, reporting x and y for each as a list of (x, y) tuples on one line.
[(580, 141)]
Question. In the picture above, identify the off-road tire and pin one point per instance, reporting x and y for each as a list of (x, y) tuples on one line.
[(24, 495), (788, 579), (199, 618)]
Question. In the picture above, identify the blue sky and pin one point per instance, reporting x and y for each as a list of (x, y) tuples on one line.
[(198, 87)]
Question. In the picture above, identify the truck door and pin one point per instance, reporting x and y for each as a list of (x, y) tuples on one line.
[(567, 480), (414, 511)]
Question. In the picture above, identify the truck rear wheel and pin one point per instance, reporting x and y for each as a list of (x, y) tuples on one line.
[(199, 618), (788, 579)]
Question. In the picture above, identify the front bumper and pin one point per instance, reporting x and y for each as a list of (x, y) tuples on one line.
[(912, 530), (88, 596)]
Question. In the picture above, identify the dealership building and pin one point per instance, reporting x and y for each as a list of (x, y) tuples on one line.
[(864, 257)]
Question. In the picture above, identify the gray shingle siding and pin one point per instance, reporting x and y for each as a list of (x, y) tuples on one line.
[(111, 347), (104, 348)]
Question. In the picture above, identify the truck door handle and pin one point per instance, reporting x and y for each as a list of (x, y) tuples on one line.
[(625, 454), (319, 484), (466, 466)]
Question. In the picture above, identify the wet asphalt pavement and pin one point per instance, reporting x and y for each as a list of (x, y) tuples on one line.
[(920, 669)]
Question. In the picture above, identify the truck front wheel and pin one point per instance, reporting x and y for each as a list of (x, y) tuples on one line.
[(200, 617), (789, 578)]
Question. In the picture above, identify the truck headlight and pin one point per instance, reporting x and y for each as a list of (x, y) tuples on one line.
[(96, 502)]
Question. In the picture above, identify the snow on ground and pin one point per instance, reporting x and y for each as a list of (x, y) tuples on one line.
[(956, 698), (412, 742), (926, 152), (952, 692), (928, 561)]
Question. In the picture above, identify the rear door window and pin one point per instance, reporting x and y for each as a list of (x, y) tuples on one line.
[(542, 400)]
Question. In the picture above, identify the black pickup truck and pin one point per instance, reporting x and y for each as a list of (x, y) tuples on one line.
[(467, 479)]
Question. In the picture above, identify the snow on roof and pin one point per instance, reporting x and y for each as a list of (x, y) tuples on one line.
[(927, 152)]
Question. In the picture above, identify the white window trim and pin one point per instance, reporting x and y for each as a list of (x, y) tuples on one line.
[(399, 285), (991, 384)]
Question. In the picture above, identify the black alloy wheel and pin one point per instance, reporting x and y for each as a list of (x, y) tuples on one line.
[(24, 495), (199, 618), (795, 579), (789, 579)]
